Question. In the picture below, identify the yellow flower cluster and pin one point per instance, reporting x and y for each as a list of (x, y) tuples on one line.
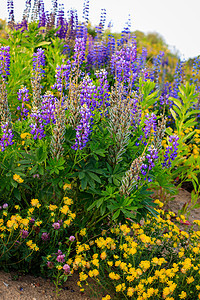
[(18, 178), (32, 246), (149, 261)]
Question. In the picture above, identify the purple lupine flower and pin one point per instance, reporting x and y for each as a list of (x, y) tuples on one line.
[(66, 268), (45, 236), (83, 129), (23, 96), (62, 77), (39, 62), (10, 8), (86, 10), (62, 23), (157, 63), (5, 205), (4, 61), (150, 124), (151, 157), (103, 88), (37, 126), (72, 238), (56, 225), (61, 258), (171, 152), (79, 51), (7, 136), (178, 79), (47, 109), (24, 233), (42, 15), (123, 64), (88, 93)]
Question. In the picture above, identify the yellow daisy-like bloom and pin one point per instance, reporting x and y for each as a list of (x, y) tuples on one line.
[(59, 267)]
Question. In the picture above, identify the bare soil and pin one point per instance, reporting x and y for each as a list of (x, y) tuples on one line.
[(14, 287)]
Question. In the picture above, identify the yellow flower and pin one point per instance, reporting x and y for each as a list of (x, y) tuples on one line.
[(83, 276), (52, 207), (18, 178), (67, 186), (190, 279), (144, 265), (130, 291), (107, 297), (64, 210), (114, 276), (103, 255), (83, 232), (95, 272), (17, 207), (59, 267), (25, 134), (183, 295), (120, 287), (35, 202), (68, 201)]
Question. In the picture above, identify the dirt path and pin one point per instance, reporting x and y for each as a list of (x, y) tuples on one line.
[(31, 288)]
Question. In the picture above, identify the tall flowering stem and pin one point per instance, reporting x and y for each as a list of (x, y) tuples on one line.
[(37, 74), (83, 129), (61, 84), (171, 151), (4, 72), (6, 138), (23, 97)]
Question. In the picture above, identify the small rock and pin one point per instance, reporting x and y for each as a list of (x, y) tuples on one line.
[(6, 284)]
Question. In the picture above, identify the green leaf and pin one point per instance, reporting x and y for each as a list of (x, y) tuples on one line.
[(84, 182), (94, 176), (17, 194), (116, 214), (173, 113)]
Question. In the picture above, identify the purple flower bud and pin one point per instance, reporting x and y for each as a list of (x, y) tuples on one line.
[(5, 205), (72, 238), (56, 225), (66, 268), (45, 236), (50, 264), (61, 258), (24, 233)]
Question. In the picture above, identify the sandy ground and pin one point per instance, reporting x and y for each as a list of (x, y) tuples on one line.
[(30, 288)]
